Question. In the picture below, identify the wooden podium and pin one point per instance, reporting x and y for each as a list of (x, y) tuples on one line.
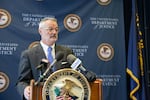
[(96, 90)]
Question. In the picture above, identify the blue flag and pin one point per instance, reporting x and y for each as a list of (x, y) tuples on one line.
[(135, 67)]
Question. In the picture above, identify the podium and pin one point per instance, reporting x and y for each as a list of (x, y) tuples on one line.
[(96, 90)]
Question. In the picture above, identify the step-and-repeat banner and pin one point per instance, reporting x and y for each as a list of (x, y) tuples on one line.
[(94, 29)]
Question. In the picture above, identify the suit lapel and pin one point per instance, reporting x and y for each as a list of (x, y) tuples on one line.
[(40, 52)]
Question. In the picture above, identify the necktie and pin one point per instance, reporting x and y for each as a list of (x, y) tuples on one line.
[(50, 57)]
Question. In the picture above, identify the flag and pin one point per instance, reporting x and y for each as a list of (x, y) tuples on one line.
[(135, 65)]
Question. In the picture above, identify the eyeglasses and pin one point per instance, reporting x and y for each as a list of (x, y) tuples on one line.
[(51, 29)]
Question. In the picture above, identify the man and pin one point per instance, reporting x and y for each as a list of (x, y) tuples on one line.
[(31, 58)]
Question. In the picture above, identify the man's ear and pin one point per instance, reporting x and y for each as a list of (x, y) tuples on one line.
[(39, 30)]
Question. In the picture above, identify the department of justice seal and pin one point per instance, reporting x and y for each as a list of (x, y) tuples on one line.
[(72, 22), (105, 52), (33, 44), (66, 84), (5, 18), (4, 81), (104, 2)]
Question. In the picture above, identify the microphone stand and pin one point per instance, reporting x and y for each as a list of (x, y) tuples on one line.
[(42, 76)]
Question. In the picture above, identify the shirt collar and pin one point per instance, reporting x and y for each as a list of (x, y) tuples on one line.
[(45, 47)]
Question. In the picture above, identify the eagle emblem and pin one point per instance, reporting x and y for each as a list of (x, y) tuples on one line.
[(66, 84)]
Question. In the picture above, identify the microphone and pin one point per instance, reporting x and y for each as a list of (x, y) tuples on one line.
[(76, 65), (58, 57), (43, 63)]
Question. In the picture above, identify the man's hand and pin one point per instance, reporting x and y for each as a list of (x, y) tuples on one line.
[(27, 91)]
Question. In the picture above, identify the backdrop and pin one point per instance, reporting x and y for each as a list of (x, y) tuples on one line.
[(94, 29)]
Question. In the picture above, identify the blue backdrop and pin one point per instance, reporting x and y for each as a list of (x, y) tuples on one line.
[(94, 29)]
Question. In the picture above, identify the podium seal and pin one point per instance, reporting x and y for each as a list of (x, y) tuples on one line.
[(66, 84)]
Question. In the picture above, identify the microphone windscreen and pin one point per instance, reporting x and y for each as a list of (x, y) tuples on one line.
[(59, 56), (90, 76), (71, 58)]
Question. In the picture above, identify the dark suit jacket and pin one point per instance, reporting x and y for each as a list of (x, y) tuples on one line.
[(30, 59)]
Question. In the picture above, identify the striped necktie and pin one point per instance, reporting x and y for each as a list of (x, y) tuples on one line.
[(50, 57)]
